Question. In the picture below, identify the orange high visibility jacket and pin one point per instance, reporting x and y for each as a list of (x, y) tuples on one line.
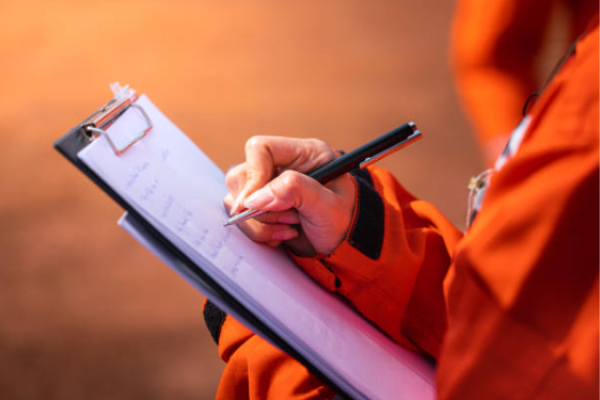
[(496, 48), (510, 310)]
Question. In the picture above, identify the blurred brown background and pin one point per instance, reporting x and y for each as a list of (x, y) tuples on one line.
[(85, 311)]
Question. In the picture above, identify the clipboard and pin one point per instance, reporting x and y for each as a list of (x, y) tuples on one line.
[(96, 126), (90, 129)]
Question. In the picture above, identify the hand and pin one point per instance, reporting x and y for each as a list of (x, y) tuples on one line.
[(309, 217)]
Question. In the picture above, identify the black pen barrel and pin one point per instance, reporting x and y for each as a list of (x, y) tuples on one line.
[(353, 159)]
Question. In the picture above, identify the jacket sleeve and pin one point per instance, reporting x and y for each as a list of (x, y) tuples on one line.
[(392, 264), (256, 369), (523, 303)]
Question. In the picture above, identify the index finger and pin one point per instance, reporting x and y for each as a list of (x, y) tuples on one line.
[(267, 155)]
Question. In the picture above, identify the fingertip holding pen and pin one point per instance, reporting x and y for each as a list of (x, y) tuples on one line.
[(361, 157), (243, 216), (237, 204)]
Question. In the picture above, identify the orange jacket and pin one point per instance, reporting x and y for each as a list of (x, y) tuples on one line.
[(496, 48), (510, 310)]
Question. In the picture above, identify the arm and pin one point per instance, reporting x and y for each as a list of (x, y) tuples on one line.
[(363, 236), (392, 262), (523, 303)]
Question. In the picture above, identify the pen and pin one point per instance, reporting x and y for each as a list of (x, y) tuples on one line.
[(361, 157)]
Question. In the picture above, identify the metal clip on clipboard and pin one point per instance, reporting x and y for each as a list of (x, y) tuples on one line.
[(96, 124)]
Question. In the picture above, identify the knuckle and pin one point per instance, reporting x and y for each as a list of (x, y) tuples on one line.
[(231, 179), (234, 167), (290, 179), (321, 151), (288, 188), (316, 146), (235, 177), (316, 143), (255, 142)]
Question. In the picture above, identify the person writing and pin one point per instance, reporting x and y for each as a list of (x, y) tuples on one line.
[(507, 310)]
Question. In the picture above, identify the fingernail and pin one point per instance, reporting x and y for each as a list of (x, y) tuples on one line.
[(285, 234), (235, 207), (228, 203), (237, 204), (259, 199)]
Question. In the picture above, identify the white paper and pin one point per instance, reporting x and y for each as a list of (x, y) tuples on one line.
[(172, 183)]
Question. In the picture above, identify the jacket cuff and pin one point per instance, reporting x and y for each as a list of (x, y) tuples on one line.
[(214, 318), (367, 228), (227, 332)]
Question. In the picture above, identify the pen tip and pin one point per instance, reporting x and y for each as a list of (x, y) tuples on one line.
[(226, 223)]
